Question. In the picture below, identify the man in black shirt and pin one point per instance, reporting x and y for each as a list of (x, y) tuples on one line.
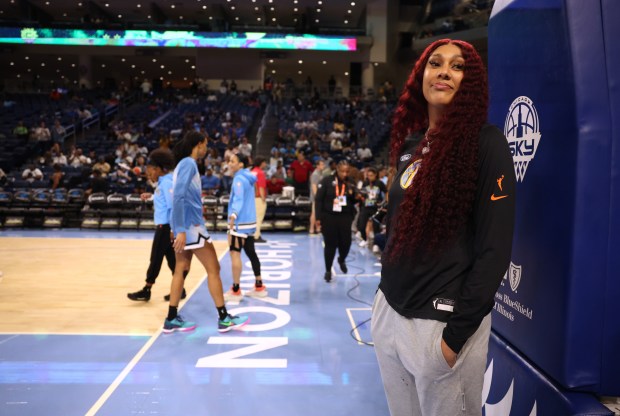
[(334, 215)]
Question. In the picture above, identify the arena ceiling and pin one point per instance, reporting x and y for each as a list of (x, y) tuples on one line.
[(309, 16)]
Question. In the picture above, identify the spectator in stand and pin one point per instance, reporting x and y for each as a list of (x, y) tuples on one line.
[(226, 175), (302, 143), (46, 159), (245, 148), (278, 171), (121, 174), (57, 156), (58, 177), (84, 113), (335, 146), (58, 133), (315, 179), (274, 159), (364, 154), (233, 87), (301, 174), (139, 168), (230, 150), (21, 131), (260, 196), (102, 167), (275, 185), (32, 173), (77, 158), (213, 160), (289, 178), (43, 137), (210, 182), (97, 183), (362, 138)]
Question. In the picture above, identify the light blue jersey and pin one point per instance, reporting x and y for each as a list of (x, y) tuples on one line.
[(186, 197), (162, 200), (242, 203)]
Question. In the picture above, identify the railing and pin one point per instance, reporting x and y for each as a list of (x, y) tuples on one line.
[(263, 123), (88, 122)]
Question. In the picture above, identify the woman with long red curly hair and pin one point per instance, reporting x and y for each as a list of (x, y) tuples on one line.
[(449, 235)]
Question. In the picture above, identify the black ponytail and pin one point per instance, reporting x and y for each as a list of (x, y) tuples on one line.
[(184, 148)]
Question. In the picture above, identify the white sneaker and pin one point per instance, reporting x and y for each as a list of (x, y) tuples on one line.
[(358, 235), (257, 292), (231, 296), (363, 243), (376, 249)]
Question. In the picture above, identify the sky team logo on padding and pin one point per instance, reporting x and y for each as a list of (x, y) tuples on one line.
[(522, 130), (504, 406)]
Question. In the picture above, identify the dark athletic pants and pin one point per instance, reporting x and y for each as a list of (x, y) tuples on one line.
[(336, 230), (162, 246), (247, 244), (365, 214)]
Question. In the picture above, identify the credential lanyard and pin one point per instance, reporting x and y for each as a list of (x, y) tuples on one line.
[(341, 192)]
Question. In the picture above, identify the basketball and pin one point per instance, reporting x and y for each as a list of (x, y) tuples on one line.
[(137, 170)]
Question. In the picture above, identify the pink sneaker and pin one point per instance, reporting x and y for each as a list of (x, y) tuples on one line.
[(258, 292)]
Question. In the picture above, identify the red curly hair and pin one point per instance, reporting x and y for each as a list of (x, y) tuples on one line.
[(439, 201)]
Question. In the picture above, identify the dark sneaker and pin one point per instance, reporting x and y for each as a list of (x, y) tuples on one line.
[(144, 295), (328, 277), (178, 324), (343, 266), (231, 322), (260, 240), (183, 296)]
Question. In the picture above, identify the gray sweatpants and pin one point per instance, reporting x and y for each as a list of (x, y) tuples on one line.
[(416, 377)]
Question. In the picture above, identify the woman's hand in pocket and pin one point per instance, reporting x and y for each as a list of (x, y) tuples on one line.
[(448, 354)]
